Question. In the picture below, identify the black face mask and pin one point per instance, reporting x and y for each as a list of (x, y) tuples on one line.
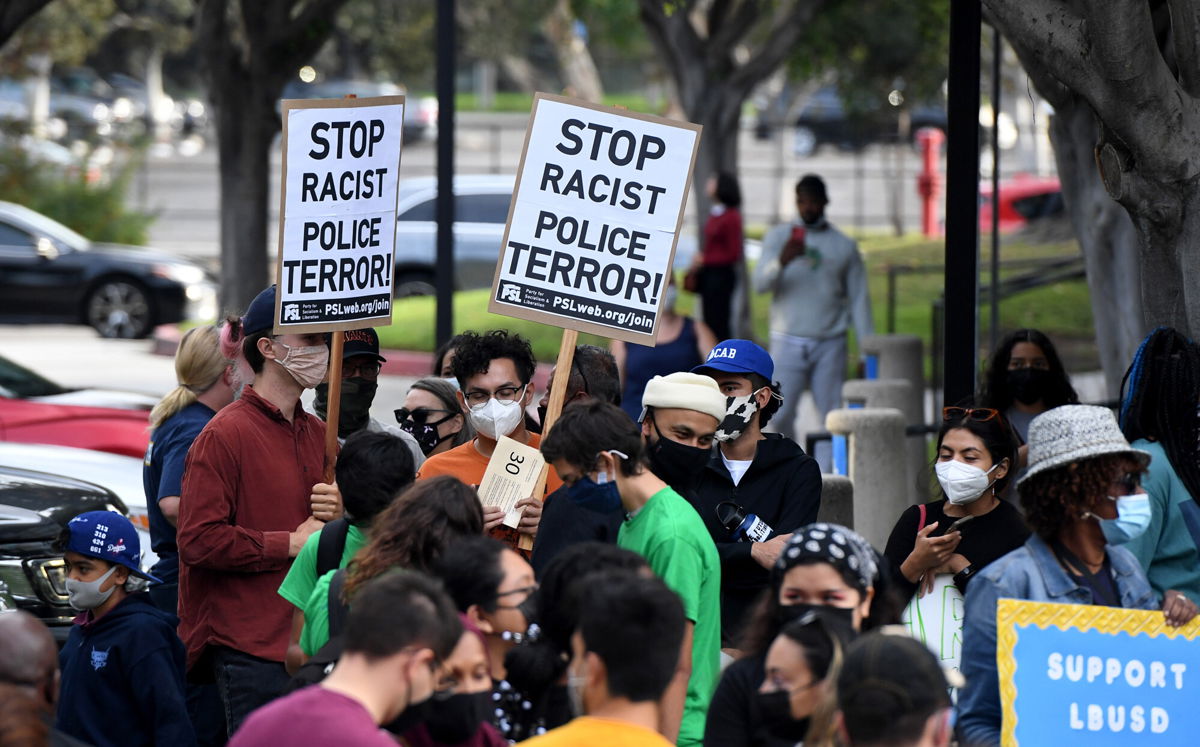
[(455, 719), (426, 435), (1028, 385), (786, 613), (776, 711), (676, 464), (414, 715), (355, 411)]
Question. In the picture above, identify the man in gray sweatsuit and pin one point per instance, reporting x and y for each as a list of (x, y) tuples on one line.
[(819, 286)]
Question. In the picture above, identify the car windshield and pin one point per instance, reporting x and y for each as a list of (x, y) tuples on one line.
[(18, 381), (48, 227)]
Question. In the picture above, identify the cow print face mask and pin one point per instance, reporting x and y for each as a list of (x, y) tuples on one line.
[(739, 411)]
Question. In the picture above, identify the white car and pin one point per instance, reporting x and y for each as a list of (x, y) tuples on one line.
[(120, 474)]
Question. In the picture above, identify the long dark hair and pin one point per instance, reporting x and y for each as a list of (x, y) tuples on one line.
[(728, 192), (995, 391), (1159, 398), (997, 437)]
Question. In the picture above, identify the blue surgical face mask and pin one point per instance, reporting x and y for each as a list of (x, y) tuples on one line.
[(1133, 518), (600, 495)]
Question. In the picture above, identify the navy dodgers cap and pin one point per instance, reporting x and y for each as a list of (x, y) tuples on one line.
[(738, 356)]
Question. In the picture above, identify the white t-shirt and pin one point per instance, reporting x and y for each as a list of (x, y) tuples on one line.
[(737, 467)]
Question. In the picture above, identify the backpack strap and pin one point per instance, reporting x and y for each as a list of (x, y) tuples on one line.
[(338, 609), (331, 545)]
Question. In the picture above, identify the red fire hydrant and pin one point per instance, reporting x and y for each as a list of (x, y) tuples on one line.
[(929, 181)]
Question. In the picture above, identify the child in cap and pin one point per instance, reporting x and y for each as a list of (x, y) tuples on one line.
[(122, 665)]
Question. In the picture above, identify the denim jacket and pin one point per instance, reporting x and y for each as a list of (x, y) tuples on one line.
[(1029, 573)]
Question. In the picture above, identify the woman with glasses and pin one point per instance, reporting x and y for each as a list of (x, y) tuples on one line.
[(823, 567), (432, 416), (968, 526), (494, 587), (1080, 494)]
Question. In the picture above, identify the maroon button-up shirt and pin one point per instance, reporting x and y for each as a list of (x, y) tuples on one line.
[(246, 486)]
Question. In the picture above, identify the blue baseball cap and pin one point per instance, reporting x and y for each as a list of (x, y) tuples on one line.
[(740, 357), (260, 314), (107, 535)]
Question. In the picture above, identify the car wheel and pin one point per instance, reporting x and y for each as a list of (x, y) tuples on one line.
[(415, 284), (120, 308), (804, 141)]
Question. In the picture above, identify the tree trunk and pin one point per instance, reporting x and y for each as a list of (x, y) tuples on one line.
[(246, 127), (575, 63), (1108, 240)]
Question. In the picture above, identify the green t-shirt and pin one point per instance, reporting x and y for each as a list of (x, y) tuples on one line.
[(1169, 550), (672, 538), (298, 585), (316, 616)]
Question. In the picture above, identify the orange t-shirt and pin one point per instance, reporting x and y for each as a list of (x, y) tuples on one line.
[(467, 464)]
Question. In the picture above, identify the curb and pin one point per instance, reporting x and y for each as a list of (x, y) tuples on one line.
[(407, 363)]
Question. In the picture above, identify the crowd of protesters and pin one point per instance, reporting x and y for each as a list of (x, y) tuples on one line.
[(681, 586)]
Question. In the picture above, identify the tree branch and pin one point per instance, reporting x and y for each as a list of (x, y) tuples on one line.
[(727, 34), (16, 12), (1185, 37), (776, 47), (1053, 35)]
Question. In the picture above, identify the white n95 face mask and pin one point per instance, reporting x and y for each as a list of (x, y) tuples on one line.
[(495, 418), (962, 483)]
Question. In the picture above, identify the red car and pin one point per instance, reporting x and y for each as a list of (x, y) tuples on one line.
[(1022, 199), (123, 432)]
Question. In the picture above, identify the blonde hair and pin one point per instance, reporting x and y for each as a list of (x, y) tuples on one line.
[(199, 363)]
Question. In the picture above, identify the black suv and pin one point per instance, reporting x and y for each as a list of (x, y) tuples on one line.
[(34, 509)]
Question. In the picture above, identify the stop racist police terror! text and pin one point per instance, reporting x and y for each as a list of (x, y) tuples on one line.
[(355, 139)]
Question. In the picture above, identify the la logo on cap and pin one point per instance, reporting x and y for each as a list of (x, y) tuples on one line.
[(722, 353)]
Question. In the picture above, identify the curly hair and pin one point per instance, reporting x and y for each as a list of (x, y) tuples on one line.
[(474, 353), (1054, 498), (413, 531)]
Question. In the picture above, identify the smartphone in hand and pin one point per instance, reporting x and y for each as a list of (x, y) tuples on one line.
[(798, 238), (958, 524)]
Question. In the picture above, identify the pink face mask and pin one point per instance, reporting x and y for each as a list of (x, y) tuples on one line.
[(307, 364)]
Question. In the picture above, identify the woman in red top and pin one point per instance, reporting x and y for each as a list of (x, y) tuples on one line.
[(721, 253)]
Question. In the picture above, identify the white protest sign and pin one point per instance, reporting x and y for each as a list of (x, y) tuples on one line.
[(595, 216), (337, 231), (936, 619), (512, 475)]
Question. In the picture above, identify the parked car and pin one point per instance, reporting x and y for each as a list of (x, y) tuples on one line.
[(1023, 199), (102, 429), (824, 120), (420, 112), (49, 272), (34, 509), (481, 203), (120, 474), (18, 382)]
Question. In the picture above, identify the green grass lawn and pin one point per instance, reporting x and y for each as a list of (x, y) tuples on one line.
[(1061, 310)]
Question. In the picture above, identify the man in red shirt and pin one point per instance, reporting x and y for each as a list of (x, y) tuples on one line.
[(251, 485)]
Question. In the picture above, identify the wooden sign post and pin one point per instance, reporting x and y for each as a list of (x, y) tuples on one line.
[(592, 228), (337, 232)]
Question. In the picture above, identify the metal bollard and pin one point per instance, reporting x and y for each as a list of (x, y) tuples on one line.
[(877, 467), (895, 393), (837, 500)]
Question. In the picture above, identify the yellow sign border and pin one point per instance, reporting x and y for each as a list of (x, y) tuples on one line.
[(1084, 618)]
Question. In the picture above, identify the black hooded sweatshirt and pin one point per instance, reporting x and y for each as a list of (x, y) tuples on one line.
[(783, 488)]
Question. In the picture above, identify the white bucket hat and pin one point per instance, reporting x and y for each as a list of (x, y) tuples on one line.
[(1073, 433)]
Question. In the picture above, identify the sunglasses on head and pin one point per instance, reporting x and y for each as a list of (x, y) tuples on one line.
[(421, 415), (978, 414)]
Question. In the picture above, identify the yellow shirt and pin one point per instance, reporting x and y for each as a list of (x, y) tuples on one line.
[(586, 731)]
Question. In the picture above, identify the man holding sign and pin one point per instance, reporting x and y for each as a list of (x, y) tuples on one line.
[(494, 371)]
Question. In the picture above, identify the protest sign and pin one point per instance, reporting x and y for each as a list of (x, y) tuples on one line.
[(936, 619), (595, 216), (341, 162), (1113, 676)]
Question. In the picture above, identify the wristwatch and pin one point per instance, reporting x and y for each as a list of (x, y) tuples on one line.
[(961, 577)]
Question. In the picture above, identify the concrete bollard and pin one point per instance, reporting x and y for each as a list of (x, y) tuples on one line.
[(837, 500), (895, 393), (877, 466), (899, 357)]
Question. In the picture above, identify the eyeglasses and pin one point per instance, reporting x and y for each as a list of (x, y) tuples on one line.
[(362, 369), (479, 397), (526, 590), (978, 414), (420, 416), (1129, 482)]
